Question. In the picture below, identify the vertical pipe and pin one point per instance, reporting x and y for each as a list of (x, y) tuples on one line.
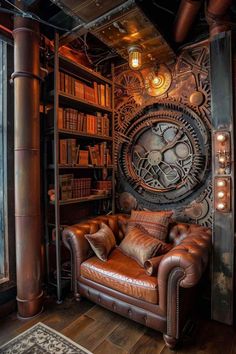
[(27, 167), (56, 169)]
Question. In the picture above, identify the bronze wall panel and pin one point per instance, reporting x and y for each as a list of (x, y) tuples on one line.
[(163, 141)]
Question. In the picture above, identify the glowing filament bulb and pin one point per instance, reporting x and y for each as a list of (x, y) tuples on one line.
[(221, 183), (221, 137), (222, 159), (221, 206), (156, 80), (220, 194), (135, 57), (135, 63)]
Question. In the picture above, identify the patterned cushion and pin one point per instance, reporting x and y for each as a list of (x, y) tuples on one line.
[(102, 241), (141, 246), (155, 222)]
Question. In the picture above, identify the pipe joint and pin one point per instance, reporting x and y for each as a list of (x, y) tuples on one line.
[(24, 74)]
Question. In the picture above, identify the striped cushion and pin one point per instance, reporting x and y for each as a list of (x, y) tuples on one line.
[(141, 246), (155, 222)]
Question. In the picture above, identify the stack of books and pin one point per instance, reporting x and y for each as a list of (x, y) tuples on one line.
[(71, 154), (71, 187), (71, 119), (81, 187), (65, 186), (99, 154), (95, 93)]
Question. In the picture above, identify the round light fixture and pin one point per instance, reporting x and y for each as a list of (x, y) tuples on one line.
[(221, 183), (221, 159), (220, 194), (221, 206), (221, 137)]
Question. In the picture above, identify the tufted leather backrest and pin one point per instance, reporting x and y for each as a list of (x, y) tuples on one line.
[(73, 236)]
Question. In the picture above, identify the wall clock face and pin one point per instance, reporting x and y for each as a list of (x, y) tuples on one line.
[(165, 158), (158, 82)]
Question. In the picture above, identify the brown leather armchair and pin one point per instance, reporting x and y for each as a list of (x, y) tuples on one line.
[(121, 285)]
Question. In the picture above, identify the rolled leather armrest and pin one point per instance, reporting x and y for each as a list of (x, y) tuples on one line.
[(73, 237), (184, 264), (152, 264), (74, 240)]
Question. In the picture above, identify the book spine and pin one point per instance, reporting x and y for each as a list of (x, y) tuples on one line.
[(63, 152)]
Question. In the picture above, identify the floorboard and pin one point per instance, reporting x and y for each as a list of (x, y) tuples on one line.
[(104, 332)]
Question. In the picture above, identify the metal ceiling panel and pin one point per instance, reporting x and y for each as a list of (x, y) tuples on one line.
[(88, 10), (133, 27)]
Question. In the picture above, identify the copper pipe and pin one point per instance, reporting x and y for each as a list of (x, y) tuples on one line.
[(217, 16), (219, 7), (27, 167), (186, 15)]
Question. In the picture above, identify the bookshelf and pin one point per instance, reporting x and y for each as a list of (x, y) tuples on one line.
[(78, 161)]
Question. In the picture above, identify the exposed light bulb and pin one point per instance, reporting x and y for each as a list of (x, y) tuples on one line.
[(222, 159), (221, 206), (221, 137), (135, 57), (220, 194), (221, 183), (156, 80), (135, 63)]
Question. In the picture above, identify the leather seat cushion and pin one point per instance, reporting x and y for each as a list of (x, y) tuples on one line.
[(123, 274)]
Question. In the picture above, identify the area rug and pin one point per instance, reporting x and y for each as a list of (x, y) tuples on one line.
[(41, 339)]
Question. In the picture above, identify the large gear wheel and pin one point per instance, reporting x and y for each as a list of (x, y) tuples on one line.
[(164, 159)]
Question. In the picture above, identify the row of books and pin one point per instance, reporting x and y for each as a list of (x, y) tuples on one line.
[(96, 93), (71, 187), (71, 154), (71, 119)]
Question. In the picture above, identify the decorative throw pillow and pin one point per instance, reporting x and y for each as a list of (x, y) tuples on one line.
[(141, 246), (155, 222), (102, 241)]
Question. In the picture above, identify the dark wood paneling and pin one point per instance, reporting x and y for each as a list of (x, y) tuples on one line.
[(223, 232)]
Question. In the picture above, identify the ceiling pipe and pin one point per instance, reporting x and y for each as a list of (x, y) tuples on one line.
[(217, 16), (185, 17)]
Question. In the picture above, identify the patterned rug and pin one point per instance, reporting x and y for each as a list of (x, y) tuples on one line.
[(41, 339)]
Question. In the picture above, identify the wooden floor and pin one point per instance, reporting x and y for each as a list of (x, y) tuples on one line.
[(103, 332)]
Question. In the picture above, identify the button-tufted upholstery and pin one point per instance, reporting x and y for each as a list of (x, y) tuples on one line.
[(123, 274), (121, 285)]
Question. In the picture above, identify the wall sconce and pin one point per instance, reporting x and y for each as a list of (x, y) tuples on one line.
[(222, 193), (223, 151), (135, 57)]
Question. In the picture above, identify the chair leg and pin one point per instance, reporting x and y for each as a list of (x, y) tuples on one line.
[(170, 342), (78, 297)]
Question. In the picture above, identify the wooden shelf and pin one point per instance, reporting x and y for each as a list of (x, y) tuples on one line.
[(80, 134), (83, 199), (81, 71), (54, 209), (80, 167), (73, 101)]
